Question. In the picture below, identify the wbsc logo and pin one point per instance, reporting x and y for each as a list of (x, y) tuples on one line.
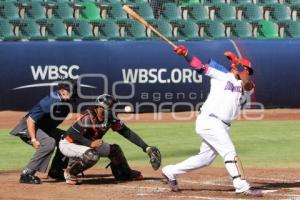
[(51, 73)]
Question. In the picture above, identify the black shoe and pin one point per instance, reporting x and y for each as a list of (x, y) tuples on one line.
[(29, 179), (136, 175), (56, 174), (132, 175)]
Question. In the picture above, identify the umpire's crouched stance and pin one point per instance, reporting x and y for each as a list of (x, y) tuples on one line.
[(39, 129)]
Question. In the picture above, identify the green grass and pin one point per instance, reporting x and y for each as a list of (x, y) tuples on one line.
[(259, 144)]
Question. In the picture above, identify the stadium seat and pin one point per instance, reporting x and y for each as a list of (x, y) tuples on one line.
[(224, 12), (58, 1), (213, 2), (7, 32), (7, 0), (240, 29), (279, 12), (291, 29), (136, 1), (188, 31), (109, 30), (90, 11), (116, 12), (31, 30), (134, 30), (266, 2), (9, 10), (240, 2), (63, 11), (171, 12), (197, 12), (36, 10), (145, 10), (83, 29), (252, 12), (266, 30), (163, 27), (188, 2), (292, 2), (214, 30), (56, 29), (110, 1)]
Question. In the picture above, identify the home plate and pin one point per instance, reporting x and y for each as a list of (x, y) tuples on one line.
[(268, 191)]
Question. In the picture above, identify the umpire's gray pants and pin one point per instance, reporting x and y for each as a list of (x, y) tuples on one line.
[(41, 158)]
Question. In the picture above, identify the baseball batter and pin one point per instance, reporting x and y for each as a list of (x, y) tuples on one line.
[(84, 145), (228, 91)]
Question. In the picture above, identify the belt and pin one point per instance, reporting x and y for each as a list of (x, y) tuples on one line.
[(215, 116)]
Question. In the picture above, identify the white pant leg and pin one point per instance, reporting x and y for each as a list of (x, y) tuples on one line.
[(216, 134), (205, 157), (72, 150), (104, 149), (75, 150)]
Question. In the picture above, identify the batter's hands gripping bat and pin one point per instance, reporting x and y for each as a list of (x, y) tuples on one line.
[(141, 20)]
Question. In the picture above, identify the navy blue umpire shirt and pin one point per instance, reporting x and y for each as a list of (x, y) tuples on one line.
[(41, 112)]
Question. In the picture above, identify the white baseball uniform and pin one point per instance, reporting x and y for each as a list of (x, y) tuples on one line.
[(220, 108)]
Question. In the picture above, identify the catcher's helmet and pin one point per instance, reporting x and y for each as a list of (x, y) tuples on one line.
[(106, 101)]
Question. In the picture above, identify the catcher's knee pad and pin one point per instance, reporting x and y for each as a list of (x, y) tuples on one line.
[(90, 158), (119, 165)]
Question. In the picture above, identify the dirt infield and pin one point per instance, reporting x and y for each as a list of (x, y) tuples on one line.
[(209, 183)]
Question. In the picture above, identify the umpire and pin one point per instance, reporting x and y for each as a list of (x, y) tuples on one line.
[(39, 129)]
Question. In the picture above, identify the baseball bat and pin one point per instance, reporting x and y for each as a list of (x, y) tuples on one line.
[(141, 20)]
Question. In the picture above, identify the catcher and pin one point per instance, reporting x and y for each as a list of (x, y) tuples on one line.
[(83, 143)]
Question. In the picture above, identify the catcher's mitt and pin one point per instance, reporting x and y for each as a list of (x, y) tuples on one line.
[(155, 157)]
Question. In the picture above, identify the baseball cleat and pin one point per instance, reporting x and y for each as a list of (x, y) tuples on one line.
[(57, 175), (71, 180), (251, 193), (138, 178), (136, 175), (172, 184), (29, 179)]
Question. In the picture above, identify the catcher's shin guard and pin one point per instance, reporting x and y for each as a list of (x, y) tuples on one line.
[(119, 165), (90, 158)]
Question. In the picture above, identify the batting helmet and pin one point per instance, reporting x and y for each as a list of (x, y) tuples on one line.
[(247, 64)]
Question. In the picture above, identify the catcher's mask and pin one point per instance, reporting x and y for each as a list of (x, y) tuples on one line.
[(71, 86), (107, 102)]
